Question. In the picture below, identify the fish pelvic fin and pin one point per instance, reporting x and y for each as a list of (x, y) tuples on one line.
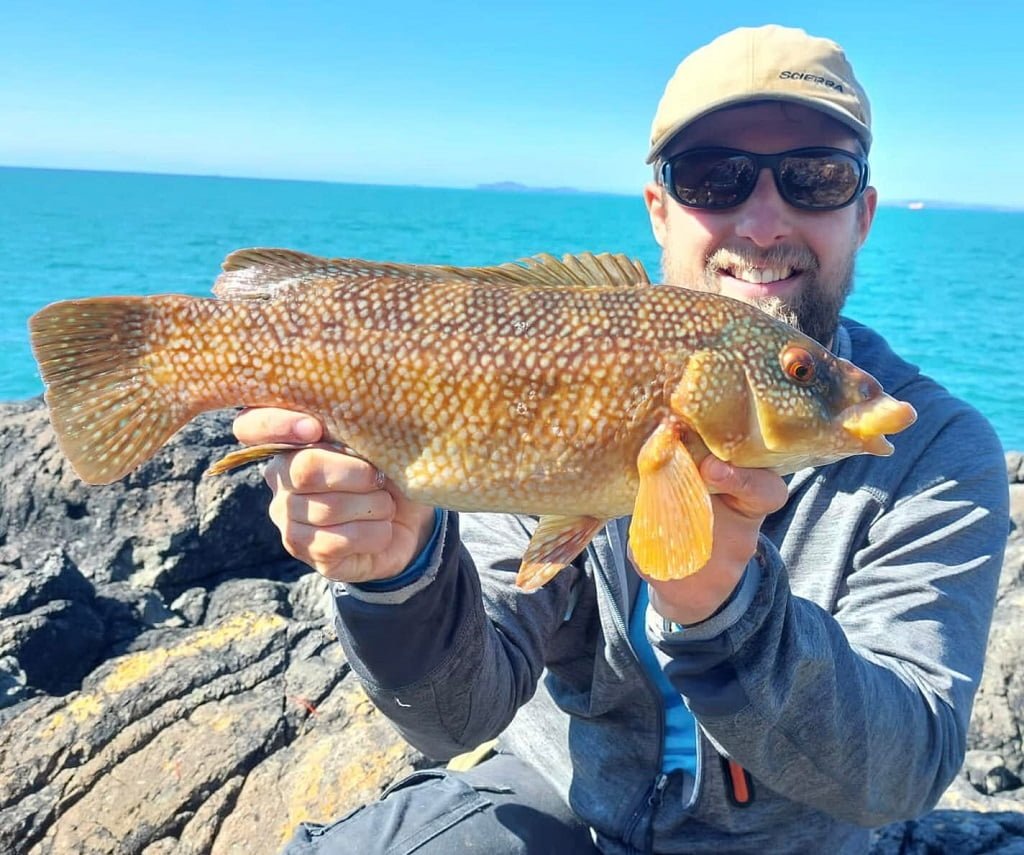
[(556, 541), (107, 390), (670, 535)]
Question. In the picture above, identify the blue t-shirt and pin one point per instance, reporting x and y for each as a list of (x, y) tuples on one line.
[(680, 750), (680, 727)]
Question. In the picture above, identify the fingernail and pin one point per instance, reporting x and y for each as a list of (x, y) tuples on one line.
[(307, 430)]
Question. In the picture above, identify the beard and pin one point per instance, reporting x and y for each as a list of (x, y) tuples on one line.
[(814, 310)]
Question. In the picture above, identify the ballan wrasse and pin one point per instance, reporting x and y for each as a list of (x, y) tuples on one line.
[(571, 389)]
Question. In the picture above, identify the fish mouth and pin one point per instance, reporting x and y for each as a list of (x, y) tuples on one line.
[(870, 420)]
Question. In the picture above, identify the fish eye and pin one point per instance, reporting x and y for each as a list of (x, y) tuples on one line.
[(798, 365)]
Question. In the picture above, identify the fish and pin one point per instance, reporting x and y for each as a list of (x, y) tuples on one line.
[(572, 389)]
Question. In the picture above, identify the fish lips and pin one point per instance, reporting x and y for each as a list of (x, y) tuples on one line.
[(869, 421)]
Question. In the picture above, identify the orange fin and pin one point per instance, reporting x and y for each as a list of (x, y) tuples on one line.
[(253, 454), (262, 273), (670, 534), (110, 404), (556, 541), (266, 450)]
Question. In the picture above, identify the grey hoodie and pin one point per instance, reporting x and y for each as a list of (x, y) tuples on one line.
[(840, 675)]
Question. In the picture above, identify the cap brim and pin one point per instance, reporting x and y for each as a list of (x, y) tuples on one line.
[(862, 131)]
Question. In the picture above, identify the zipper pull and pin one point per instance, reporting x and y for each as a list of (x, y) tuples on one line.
[(658, 791)]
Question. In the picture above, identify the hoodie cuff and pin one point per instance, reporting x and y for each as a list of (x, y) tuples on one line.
[(727, 615), (411, 580)]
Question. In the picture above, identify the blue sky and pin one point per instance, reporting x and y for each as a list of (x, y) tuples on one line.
[(458, 93)]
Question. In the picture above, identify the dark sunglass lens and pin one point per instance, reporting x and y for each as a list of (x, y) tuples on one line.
[(711, 179), (820, 180)]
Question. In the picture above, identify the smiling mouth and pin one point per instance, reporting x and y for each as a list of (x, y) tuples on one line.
[(759, 275)]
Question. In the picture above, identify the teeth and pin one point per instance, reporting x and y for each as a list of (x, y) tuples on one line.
[(762, 276)]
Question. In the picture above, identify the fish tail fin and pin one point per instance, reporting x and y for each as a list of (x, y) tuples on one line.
[(113, 396)]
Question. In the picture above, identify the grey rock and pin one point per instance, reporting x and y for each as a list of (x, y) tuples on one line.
[(191, 605), (170, 681), (13, 682), (164, 526), (959, 832), (988, 774)]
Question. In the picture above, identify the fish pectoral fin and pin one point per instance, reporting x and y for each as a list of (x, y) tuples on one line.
[(254, 454), (556, 542), (670, 534)]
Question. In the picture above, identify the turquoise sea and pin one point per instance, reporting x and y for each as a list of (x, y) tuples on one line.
[(946, 287)]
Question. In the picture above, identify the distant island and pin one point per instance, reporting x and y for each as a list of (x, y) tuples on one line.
[(516, 187), (940, 205)]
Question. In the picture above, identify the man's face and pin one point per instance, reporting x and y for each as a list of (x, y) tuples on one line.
[(794, 263)]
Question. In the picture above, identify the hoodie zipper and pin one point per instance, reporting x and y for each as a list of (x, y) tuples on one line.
[(653, 794), (653, 803)]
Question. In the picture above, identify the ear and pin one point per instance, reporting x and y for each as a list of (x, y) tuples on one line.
[(654, 199), (866, 214)]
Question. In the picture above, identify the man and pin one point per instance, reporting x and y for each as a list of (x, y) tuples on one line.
[(814, 679)]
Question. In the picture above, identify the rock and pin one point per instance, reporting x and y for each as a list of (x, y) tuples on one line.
[(163, 527), (988, 774), (46, 608), (983, 810), (206, 707), (997, 722), (960, 832)]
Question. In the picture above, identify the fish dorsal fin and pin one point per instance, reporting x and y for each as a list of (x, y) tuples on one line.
[(584, 270), (262, 274)]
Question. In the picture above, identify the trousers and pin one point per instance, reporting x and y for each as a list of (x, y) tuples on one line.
[(500, 807)]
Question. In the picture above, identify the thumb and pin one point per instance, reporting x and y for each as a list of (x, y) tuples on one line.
[(271, 424), (752, 492)]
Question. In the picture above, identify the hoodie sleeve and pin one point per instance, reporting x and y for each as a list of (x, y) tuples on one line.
[(447, 670), (864, 713)]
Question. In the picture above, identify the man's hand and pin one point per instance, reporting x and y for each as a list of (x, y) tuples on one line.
[(743, 498), (333, 512)]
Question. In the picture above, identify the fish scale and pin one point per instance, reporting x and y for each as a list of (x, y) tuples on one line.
[(570, 389)]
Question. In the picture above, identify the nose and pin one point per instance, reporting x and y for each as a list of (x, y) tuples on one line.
[(764, 218)]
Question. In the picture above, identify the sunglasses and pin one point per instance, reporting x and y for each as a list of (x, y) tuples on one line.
[(815, 179)]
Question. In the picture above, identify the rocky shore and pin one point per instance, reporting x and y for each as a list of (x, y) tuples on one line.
[(169, 681)]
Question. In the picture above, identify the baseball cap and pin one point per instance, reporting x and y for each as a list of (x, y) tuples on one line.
[(769, 63)]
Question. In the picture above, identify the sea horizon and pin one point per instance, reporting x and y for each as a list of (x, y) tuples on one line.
[(928, 280), (497, 186)]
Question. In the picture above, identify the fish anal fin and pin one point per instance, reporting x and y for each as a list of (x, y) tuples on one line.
[(266, 450), (556, 541), (670, 534), (253, 454)]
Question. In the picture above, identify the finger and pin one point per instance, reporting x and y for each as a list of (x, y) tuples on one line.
[(325, 548), (271, 424), (331, 509), (322, 470), (752, 492)]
